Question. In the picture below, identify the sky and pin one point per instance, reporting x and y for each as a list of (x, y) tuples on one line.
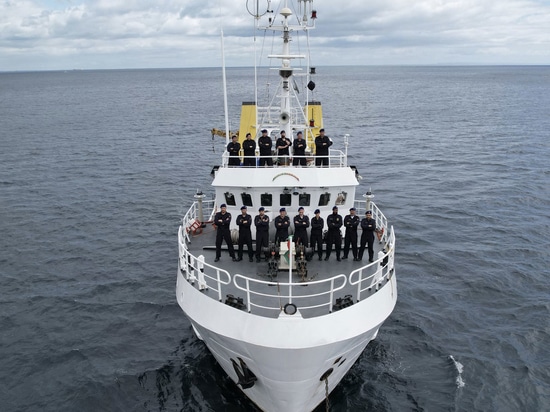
[(121, 34)]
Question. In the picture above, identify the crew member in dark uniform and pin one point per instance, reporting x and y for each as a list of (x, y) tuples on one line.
[(261, 221), (368, 224), (264, 144), (351, 222), (233, 148), (334, 223), (282, 146), (244, 222), (316, 239), (249, 151), (322, 143), (299, 151), (222, 220), (282, 223), (301, 223)]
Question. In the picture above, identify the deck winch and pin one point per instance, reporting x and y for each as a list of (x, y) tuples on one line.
[(342, 303)]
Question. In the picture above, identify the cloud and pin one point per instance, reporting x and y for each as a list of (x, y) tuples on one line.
[(37, 35)]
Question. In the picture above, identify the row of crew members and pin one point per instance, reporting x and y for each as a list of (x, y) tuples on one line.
[(282, 146), (351, 222)]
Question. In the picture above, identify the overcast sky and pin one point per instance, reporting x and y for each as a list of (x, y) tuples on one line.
[(115, 34)]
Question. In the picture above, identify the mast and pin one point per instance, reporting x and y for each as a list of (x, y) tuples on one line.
[(285, 72), (289, 119), (227, 137)]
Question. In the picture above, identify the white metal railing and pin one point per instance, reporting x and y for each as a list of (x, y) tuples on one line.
[(384, 265), (377, 215), (192, 215), (194, 269), (206, 276), (254, 294), (337, 158)]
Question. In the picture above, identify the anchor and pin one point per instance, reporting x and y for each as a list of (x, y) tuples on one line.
[(245, 375)]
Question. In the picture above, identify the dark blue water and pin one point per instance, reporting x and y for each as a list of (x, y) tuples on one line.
[(96, 168)]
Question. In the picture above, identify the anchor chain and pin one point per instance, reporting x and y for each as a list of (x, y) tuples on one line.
[(327, 404)]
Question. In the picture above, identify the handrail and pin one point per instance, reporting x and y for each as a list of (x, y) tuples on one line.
[(383, 273), (290, 297), (208, 207), (196, 270), (337, 158)]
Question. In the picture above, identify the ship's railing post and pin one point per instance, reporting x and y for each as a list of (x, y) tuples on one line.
[(248, 303), (225, 158), (345, 154), (200, 271), (219, 284), (331, 295)]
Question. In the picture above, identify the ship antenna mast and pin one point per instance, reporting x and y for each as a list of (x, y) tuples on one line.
[(227, 138), (257, 15)]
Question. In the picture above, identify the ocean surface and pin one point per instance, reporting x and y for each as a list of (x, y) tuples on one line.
[(97, 168)]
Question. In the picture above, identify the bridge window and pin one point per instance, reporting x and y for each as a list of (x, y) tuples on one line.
[(266, 199), (324, 199), (304, 199), (247, 199), (230, 199), (285, 199), (341, 198)]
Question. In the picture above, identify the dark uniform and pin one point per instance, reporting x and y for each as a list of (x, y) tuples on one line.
[(261, 222), (301, 223), (222, 220), (249, 151), (244, 222), (233, 148), (299, 151), (334, 223), (317, 224), (322, 143), (282, 223), (264, 144), (351, 222), (368, 225), (282, 146)]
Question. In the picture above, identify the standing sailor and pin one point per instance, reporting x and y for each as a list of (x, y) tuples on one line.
[(334, 223), (249, 151), (301, 223), (322, 143), (368, 224), (282, 223), (244, 222), (261, 221), (233, 148), (317, 224), (264, 144), (222, 220), (282, 146), (299, 151), (351, 222)]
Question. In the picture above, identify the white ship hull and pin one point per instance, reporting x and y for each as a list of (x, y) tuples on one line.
[(288, 355)]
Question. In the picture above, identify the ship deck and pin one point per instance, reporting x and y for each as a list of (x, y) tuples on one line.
[(322, 286)]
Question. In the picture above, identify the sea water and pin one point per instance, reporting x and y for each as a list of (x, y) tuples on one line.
[(97, 168)]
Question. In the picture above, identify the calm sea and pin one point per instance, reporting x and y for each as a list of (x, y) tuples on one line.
[(96, 168)]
